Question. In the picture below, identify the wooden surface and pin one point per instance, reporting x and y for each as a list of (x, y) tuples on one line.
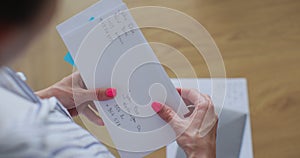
[(258, 39)]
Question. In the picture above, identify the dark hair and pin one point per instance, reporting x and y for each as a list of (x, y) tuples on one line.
[(16, 12)]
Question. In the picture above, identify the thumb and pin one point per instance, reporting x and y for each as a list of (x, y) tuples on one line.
[(168, 115), (100, 94)]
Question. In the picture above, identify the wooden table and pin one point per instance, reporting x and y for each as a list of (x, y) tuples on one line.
[(259, 40)]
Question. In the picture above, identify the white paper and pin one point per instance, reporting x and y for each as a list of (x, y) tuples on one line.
[(73, 31), (117, 55), (86, 16), (234, 119)]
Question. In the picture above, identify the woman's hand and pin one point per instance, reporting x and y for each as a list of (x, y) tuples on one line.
[(196, 133), (72, 93)]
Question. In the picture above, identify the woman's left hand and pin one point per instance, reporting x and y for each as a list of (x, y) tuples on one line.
[(72, 93)]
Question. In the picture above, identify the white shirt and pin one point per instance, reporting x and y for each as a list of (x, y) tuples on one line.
[(41, 128)]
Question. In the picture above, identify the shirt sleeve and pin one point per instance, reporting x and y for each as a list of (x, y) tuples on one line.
[(45, 131)]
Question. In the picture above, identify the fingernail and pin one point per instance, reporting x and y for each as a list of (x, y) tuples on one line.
[(179, 90), (102, 123), (156, 106), (111, 92)]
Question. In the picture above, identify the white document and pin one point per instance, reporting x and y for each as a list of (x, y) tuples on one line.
[(116, 54), (75, 29), (88, 15), (234, 131)]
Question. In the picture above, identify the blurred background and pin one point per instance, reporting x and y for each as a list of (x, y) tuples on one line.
[(258, 39)]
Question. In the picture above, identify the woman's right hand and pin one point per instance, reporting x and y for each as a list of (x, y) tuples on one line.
[(196, 133)]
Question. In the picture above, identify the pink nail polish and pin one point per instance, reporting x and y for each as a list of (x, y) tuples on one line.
[(179, 90), (111, 92), (156, 106), (102, 123)]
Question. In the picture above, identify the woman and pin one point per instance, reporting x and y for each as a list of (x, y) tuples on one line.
[(38, 124)]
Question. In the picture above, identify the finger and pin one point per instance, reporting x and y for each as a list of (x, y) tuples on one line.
[(92, 106), (204, 116), (191, 109), (179, 90), (197, 117), (92, 116), (209, 121), (73, 112), (201, 110), (100, 94), (105, 94), (78, 79), (192, 95), (186, 101), (208, 124), (169, 116), (209, 100), (195, 97)]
